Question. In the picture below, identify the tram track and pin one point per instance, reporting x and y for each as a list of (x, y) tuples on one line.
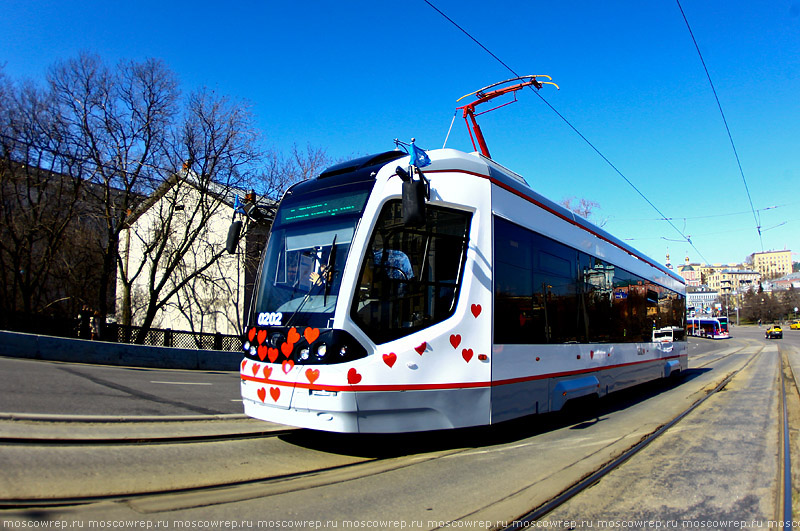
[(139, 440), (790, 409), (269, 484), (549, 506)]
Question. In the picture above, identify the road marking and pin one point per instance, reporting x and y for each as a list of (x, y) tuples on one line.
[(182, 383)]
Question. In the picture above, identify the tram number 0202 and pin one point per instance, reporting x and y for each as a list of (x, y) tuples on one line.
[(270, 318)]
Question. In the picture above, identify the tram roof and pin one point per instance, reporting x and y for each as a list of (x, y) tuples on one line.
[(476, 164), (481, 166)]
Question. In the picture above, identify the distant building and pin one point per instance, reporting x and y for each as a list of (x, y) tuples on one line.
[(702, 299), (784, 283), (689, 273), (772, 264), (708, 270), (733, 281)]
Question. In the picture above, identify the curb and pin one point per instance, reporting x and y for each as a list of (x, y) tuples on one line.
[(44, 417)]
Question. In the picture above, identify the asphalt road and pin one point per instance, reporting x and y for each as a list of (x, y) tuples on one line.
[(54, 388), (71, 389), (720, 462)]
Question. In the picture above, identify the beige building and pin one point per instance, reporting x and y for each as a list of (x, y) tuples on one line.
[(179, 230), (729, 281), (709, 270), (772, 264)]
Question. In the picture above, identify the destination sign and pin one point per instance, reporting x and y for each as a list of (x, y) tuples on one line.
[(324, 207)]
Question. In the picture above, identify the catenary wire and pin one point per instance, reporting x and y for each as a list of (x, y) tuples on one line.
[(724, 121), (571, 126)]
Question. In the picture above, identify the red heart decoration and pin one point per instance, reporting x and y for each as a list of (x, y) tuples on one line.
[(275, 393), (389, 359), (262, 336), (311, 334), (292, 337), (286, 348), (287, 366), (312, 375), (244, 364), (262, 352), (476, 310), (467, 354), (262, 394), (455, 340), (421, 348), (267, 371), (251, 335), (353, 377), (272, 354), (256, 368)]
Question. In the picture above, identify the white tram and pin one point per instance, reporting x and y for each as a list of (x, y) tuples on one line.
[(394, 299)]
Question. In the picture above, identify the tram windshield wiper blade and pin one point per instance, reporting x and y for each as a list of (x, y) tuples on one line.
[(329, 269)]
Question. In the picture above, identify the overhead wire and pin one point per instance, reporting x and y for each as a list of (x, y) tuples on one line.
[(571, 126), (708, 216), (724, 121)]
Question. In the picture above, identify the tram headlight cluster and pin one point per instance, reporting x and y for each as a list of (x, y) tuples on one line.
[(332, 346)]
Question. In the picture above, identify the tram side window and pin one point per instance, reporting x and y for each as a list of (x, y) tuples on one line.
[(410, 276), (536, 291), (515, 321), (547, 292), (555, 286), (598, 298)]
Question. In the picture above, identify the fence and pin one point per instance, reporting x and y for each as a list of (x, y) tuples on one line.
[(116, 333), (166, 337)]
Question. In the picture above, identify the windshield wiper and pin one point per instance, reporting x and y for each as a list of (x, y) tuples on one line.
[(329, 268), (326, 278)]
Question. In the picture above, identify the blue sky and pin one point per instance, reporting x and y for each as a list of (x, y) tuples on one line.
[(351, 76)]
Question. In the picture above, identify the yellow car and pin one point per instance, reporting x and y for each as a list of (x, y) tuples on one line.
[(775, 332), (795, 325)]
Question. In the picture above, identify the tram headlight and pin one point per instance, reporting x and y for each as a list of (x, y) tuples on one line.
[(253, 351), (322, 350), (304, 353), (343, 351)]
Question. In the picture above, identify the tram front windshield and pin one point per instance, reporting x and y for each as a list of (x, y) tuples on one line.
[(306, 253)]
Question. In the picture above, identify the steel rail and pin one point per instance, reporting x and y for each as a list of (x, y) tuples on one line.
[(52, 503), (526, 520), (786, 520), (122, 441)]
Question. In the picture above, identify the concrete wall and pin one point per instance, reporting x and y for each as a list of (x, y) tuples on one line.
[(31, 346)]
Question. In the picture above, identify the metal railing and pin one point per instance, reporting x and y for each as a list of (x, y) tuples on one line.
[(166, 337)]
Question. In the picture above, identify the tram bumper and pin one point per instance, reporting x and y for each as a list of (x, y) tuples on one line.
[(375, 411)]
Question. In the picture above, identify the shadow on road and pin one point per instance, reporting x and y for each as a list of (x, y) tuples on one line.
[(577, 414)]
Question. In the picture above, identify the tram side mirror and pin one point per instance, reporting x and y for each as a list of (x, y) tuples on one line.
[(234, 232), (414, 196)]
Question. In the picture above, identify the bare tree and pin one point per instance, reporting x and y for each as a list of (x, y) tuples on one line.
[(585, 208), (204, 301), (176, 245), (120, 149), (42, 199), (116, 123)]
